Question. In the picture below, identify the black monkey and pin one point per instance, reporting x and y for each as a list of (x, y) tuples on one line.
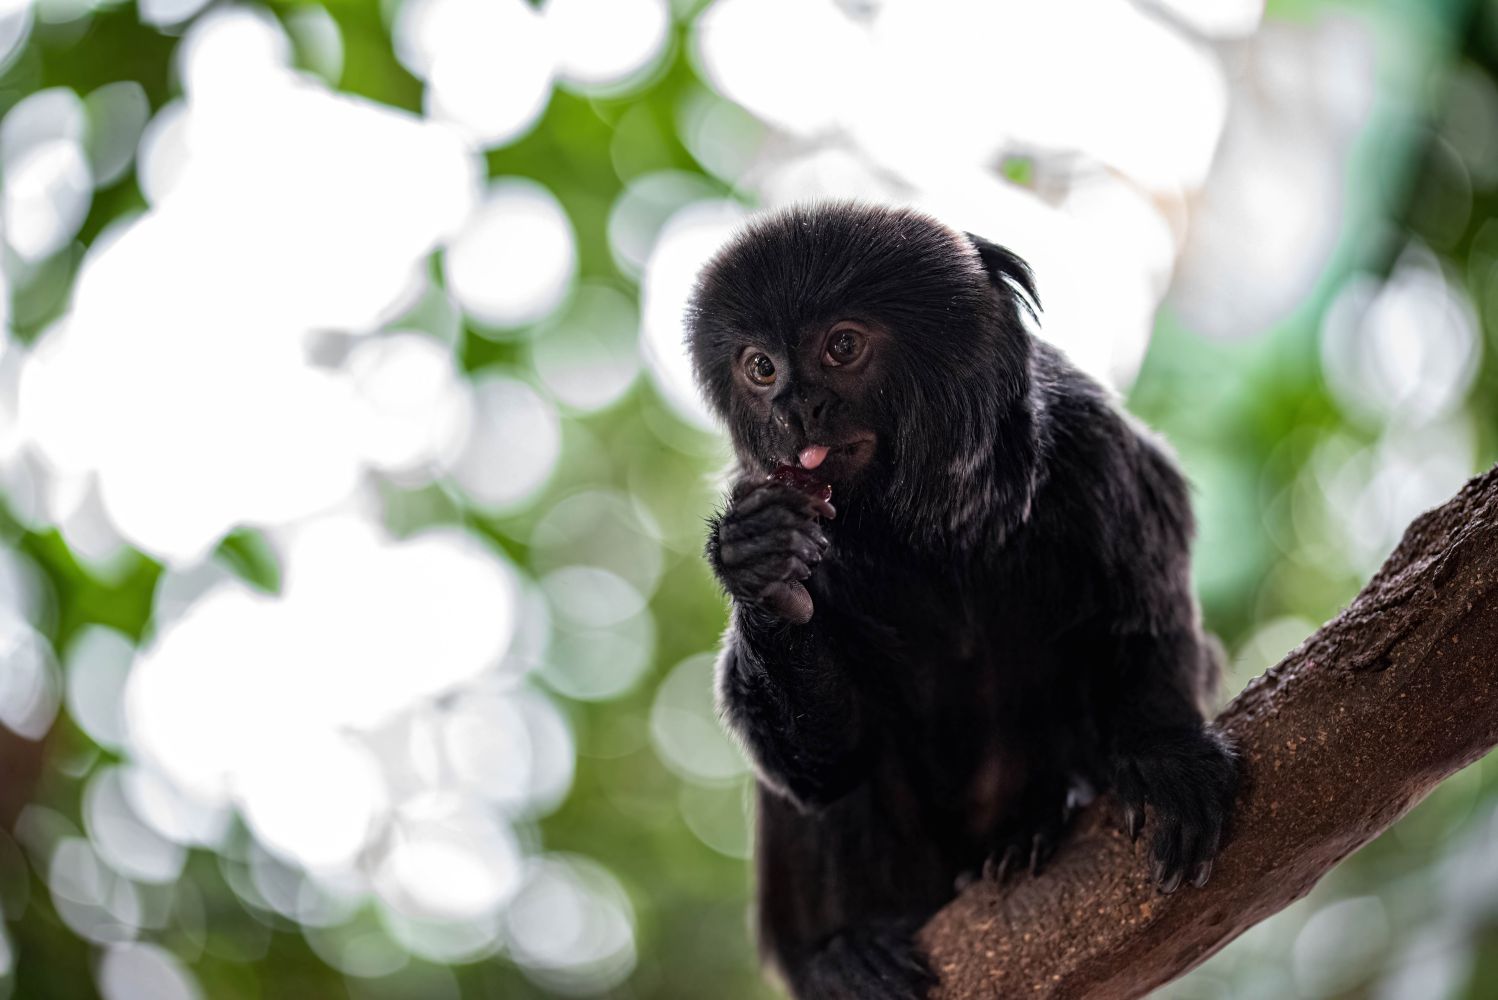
[(996, 619)]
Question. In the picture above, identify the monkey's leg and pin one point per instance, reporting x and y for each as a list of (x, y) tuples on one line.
[(1169, 767), (841, 892)]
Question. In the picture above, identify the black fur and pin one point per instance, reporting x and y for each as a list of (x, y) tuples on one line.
[(1003, 616)]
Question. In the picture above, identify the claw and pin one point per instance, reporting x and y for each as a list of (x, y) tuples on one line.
[(1015, 858), (1133, 821), (1006, 863), (1172, 881), (1202, 873)]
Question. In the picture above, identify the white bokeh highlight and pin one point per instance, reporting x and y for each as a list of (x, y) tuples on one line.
[(601, 44), (30, 683), (143, 971), (512, 447), (515, 259), (488, 64), (1407, 350), (685, 243), (571, 926), (180, 379)]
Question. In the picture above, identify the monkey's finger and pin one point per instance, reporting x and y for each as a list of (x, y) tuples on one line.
[(749, 484), (1129, 789), (776, 494), (773, 493), (808, 552), (1166, 867), (790, 601), (1193, 838), (758, 530), (744, 547), (775, 560), (790, 569), (766, 523), (741, 489), (761, 581), (1199, 862)]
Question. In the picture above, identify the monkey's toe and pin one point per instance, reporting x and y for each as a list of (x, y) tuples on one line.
[(1032, 841), (1023, 854)]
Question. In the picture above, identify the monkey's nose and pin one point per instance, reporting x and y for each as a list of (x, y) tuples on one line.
[(811, 411)]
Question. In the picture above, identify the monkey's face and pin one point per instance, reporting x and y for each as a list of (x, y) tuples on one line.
[(806, 401), (872, 345)]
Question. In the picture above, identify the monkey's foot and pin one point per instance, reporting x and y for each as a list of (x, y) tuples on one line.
[(1036, 831), (1188, 782), (866, 963)]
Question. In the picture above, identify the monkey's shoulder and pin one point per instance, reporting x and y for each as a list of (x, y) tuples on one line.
[(1110, 522), (1103, 476)]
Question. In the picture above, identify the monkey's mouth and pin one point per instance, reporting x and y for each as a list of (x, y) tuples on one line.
[(837, 461)]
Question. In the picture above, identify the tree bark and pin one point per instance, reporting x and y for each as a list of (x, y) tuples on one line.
[(1338, 741)]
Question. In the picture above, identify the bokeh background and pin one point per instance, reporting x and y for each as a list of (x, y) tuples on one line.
[(354, 638)]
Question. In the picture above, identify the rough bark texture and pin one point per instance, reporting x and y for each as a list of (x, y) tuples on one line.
[(1339, 740)]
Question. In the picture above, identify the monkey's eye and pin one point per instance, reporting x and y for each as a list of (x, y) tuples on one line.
[(759, 369), (844, 347)]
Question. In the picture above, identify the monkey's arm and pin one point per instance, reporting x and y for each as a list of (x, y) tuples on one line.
[(782, 684), (784, 691), (1164, 754), (1169, 767)]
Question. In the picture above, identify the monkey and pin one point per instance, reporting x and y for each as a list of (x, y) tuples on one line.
[(987, 621)]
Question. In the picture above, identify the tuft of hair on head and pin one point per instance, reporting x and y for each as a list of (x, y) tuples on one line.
[(1005, 265)]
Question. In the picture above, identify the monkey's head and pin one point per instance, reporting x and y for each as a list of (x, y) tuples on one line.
[(882, 349)]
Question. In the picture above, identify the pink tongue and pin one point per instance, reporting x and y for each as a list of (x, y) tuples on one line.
[(812, 455)]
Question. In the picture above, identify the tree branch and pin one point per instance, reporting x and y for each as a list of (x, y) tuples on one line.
[(1339, 740)]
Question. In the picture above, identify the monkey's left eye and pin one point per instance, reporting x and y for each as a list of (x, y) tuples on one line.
[(844, 347)]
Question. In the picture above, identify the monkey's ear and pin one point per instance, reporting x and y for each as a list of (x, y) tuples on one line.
[(1006, 267)]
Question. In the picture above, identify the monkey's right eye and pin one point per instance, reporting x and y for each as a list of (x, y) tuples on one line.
[(760, 369)]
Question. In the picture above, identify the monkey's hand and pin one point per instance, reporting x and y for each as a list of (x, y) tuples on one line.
[(1188, 779), (766, 542)]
